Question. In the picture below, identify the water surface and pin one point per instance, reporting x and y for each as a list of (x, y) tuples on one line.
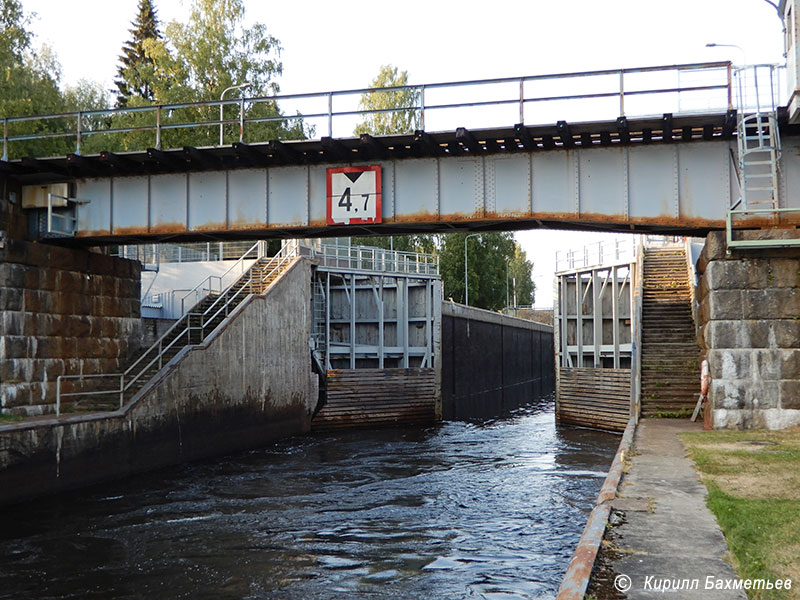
[(462, 510)]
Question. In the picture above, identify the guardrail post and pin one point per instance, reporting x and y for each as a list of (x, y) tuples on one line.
[(521, 100), (78, 139), (5, 138), (422, 108), (330, 114), (730, 86), (58, 395), (622, 93), (158, 127), (241, 120)]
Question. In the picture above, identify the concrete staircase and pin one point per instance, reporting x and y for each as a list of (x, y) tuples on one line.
[(670, 355), (191, 329)]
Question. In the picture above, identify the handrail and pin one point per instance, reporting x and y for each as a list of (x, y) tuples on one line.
[(259, 247), (101, 120), (380, 259), (184, 327)]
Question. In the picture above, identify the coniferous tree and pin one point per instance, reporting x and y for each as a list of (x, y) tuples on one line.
[(136, 67)]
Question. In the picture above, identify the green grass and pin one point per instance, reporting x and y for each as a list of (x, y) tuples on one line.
[(759, 532), (9, 418), (754, 491)]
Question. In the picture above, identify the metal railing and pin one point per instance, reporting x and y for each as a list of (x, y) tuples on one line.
[(679, 89), (597, 254), (187, 331), (151, 254), (369, 258), (215, 284)]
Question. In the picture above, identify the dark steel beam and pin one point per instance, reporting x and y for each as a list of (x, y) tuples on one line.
[(466, 138), (565, 134), (524, 136)]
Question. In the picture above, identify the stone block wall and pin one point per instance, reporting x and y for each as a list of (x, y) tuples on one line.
[(63, 311), (749, 329)]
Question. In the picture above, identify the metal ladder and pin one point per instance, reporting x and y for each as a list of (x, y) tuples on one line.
[(318, 303), (759, 148), (758, 140)]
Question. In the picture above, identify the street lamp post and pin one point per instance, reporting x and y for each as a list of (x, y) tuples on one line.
[(739, 48), (466, 264), (241, 86)]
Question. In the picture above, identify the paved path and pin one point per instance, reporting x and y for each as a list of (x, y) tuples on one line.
[(669, 533)]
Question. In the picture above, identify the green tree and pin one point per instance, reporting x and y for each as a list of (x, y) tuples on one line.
[(29, 85), (488, 254), (402, 116), (135, 71), (196, 61)]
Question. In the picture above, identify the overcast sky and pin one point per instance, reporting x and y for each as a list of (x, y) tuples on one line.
[(339, 45)]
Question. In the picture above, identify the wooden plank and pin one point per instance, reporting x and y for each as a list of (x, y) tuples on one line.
[(378, 397)]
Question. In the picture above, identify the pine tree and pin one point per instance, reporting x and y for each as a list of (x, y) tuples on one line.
[(135, 68)]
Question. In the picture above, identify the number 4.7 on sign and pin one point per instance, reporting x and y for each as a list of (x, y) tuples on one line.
[(354, 195)]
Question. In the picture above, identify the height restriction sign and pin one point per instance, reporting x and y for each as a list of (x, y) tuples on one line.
[(354, 195)]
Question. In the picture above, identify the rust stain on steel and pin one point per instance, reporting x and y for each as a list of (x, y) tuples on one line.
[(210, 227), (93, 233), (576, 579), (162, 228)]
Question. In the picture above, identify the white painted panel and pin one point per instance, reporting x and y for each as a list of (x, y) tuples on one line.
[(207, 197), (94, 217), (416, 187), (652, 187), (553, 182), (247, 198), (459, 184), (129, 200), (703, 178), (602, 181), (288, 196), (168, 202), (511, 187)]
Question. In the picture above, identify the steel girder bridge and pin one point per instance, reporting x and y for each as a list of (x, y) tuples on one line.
[(657, 149)]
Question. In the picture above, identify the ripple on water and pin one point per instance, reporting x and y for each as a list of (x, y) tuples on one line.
[(464, 510)]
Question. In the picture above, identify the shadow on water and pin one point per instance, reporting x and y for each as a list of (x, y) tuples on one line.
[(479, 509)]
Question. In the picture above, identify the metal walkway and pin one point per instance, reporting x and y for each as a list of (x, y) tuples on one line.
[(651, 149)]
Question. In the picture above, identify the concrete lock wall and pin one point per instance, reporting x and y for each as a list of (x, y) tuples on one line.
[(248, 383), (749, 328), (492, 363), (64, 312)]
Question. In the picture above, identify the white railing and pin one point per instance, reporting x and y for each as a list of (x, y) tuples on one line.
[(369, 258), (215, 284), (597, 254)]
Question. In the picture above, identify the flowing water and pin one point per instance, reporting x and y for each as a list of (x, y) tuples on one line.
[(462, 510)]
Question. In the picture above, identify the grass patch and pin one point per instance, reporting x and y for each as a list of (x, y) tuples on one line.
[(753, 481), (10, 418)]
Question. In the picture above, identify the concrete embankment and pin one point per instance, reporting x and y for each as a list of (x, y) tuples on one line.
[(248, 383), (663, 537)]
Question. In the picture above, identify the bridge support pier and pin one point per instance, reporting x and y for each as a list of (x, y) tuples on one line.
[(749, 329), (62, 311)]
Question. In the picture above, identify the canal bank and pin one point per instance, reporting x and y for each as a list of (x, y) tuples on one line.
[(661, 534), (460, 509)]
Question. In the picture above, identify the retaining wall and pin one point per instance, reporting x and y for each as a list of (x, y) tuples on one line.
[(63, 312), (749, 328), (492, 363), (250, 382)]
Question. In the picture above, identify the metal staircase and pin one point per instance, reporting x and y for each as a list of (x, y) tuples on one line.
[(191, 329)]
